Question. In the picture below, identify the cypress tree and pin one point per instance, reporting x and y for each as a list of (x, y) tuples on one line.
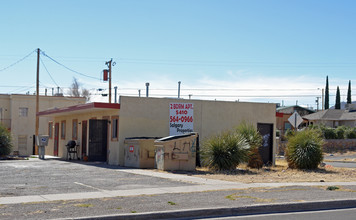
[(327, 93), (349, 93), (337, 101)]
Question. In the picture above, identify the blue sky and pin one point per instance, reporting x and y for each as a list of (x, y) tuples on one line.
[(247, 50)]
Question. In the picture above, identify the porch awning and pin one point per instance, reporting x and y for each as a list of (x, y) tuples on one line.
[(79, 109)]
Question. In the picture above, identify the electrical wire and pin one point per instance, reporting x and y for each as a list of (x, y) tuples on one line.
[(23, 88), (49, 73), (230, 96), (11, 65), (79, 73)]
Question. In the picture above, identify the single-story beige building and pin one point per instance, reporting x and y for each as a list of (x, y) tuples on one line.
[(101, 128), (333, 117), (18, 115)]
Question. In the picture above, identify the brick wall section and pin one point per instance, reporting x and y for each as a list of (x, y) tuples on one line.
[(330, 146)]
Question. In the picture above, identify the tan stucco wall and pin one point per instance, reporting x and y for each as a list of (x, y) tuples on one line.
[(62, 150), (25, 126), (150, 117), (6, 110)]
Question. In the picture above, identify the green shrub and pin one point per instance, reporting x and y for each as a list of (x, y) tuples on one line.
[(225, 151), (329, 133), (340, 132), (254, 139), (304, 150), (350, 133), (289, 133), (5, 141)]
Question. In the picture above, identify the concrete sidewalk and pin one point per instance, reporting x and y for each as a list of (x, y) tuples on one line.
[(155, 194)]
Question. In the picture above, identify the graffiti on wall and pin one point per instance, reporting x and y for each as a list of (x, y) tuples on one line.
[(181, 150)]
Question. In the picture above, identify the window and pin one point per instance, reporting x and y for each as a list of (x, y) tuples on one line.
[(23, 112), (50, 129), (287, 126), (63, 129), (114, 128), (75, 129)]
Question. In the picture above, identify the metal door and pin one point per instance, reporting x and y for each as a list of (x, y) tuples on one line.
[(56, 136), (266, 150), (97, 140), (84, 138)]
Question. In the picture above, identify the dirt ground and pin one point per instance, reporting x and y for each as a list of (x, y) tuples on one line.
[(280, 173)]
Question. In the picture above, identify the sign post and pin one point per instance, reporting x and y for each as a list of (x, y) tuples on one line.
[(295, 119)]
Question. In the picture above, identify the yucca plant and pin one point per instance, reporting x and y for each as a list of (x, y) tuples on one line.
[(254, 139), (225, 151), (304, 149)]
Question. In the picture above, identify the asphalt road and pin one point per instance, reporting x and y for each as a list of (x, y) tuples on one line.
[(26, 178), (37, 177), (344, 214), (341, 164)]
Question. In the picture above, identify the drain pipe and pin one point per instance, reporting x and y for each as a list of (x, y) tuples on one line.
[(115, 94), (147, 85), (179, 82)]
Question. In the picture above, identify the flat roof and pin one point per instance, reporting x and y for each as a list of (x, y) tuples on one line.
[(82, 108)]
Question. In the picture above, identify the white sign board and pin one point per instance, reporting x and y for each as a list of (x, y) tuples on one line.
[(295, 119), (181, 118)]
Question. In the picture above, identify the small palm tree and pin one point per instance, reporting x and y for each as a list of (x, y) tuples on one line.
[(254, 139)]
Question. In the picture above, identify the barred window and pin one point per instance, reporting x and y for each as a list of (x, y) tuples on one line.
[(23, 112)]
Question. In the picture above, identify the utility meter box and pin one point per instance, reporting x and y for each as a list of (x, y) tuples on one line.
[(42, 140), (140, 152), (176, 152)]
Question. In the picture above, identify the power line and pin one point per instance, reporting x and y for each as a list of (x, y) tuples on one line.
[(49, 73), (226, 89), (79, 73), (24, 88), (17, 61)]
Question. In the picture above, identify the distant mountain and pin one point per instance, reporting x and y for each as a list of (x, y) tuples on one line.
[(343, 104)]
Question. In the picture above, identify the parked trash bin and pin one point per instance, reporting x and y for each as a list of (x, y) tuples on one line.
[(140, 152), (176, 152)]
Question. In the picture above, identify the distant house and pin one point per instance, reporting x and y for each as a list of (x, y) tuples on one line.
[(333, 117), (283, 113), (18, 114)]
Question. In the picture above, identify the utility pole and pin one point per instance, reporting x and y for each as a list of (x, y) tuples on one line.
[(108, 63), (37, 98), (317, 103), (322, 99)]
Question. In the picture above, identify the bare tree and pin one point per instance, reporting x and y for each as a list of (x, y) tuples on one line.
[(76, 91)]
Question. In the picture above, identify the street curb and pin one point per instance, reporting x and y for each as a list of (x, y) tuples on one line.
[(339, 161), (232, 211)]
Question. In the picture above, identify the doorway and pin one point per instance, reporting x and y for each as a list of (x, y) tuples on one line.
[(266, 150), (56, 138), (98, 140), (84, 138)]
